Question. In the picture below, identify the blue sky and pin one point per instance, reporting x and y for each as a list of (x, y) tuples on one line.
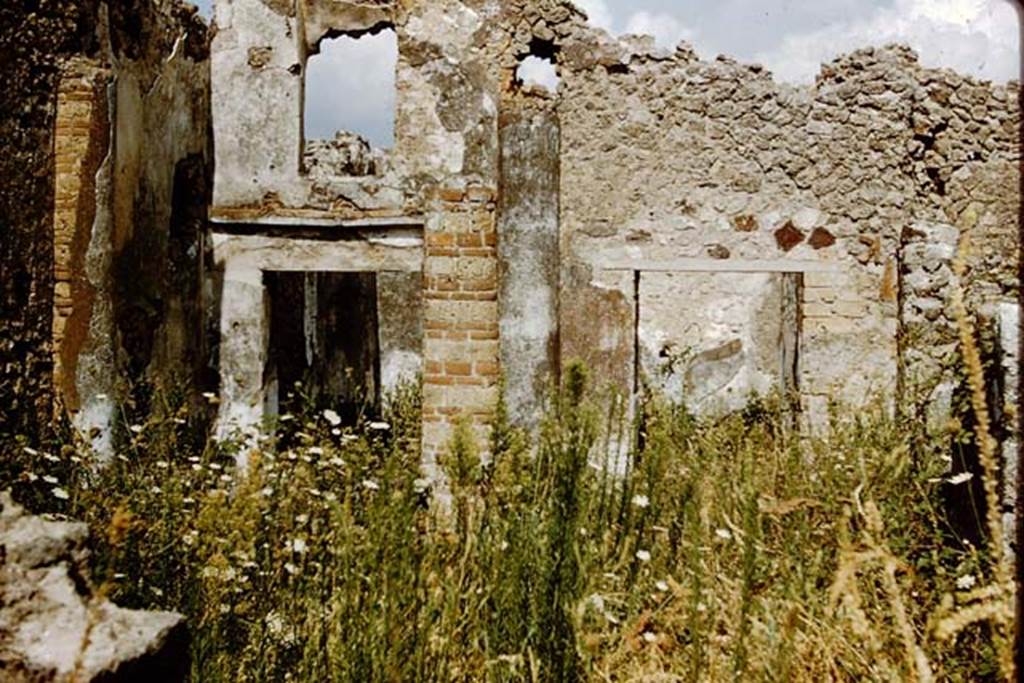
[(790, 37)]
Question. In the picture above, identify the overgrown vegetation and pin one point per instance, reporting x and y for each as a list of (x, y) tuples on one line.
[(729, 550)]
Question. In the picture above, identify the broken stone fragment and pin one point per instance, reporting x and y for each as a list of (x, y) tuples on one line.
[(52, 626), (745, 223), (788, 236), (719, 251), (347, 154), (821, 238)]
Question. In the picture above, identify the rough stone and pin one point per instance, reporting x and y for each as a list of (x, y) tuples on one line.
[(53, 627), (821, 238), (788, 236)]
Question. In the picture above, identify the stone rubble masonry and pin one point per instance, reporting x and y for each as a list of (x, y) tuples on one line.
[(663, 160), (1008, 318), (80, 142)]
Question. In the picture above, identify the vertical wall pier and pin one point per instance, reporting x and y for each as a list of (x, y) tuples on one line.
[(528, 253), (789, 340)]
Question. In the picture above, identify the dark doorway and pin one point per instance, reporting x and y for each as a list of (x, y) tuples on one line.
[(324, 346)]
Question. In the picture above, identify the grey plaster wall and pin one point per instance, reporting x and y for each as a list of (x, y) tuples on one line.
[(528, 250)]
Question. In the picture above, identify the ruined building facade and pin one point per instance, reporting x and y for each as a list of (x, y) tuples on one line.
[(672, 221), (686, 224)]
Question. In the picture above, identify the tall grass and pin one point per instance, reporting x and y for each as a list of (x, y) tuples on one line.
[(731, 550)]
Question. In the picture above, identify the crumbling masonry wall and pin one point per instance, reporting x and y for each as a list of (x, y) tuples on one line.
[(105, 118), (673, 222)]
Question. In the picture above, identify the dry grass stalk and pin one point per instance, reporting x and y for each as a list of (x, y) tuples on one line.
[(1001, 613)]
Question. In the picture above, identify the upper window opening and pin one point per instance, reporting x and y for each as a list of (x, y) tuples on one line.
[(537, 69), (350, 88), (537, 72)]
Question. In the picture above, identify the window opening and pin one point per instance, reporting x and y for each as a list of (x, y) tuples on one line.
[(350, 88), (538, 69)]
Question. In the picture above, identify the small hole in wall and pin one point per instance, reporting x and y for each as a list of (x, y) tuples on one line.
[(539, 72), (350, 87)]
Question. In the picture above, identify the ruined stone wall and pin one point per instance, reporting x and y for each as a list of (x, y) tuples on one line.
[(670, 163), (439, 180), (671, 221), (104, 203), (32, 44)]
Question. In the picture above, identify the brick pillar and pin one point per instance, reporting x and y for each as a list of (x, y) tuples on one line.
[(460, 345), (81, 142)]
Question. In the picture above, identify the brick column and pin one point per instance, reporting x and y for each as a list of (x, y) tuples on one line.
[(460, 346), (81, 142)]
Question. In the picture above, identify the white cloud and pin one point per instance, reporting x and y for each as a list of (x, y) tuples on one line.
[(350, 86), (536, 71), (598, 13), (978, 37), (666, 29)]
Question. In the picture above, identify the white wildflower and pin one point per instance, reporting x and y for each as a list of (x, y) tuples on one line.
[(102, 397), (136, 429), (286, 418), (643, 555), (336, 432), (332, 417), (216, 467), (331, 496), (650, 637), (179, 421), (59, 493), (267, 492), (315, 450), (420, 485), (156, 489), (188, 500), (30, 477), (349, 438), (49, 479), (336, 461), (662, 586), (641, 501), (371, 485), (723, 534), (50, 458), (197, 468), (30, 451), (296, 545), (966, 582), (961, 478), (275, 624), (315, 492), (302, 519), (291, 568), (162, 464), (379, 426), (226, 478)]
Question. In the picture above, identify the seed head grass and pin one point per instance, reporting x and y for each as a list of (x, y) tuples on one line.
[(732, 549)]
